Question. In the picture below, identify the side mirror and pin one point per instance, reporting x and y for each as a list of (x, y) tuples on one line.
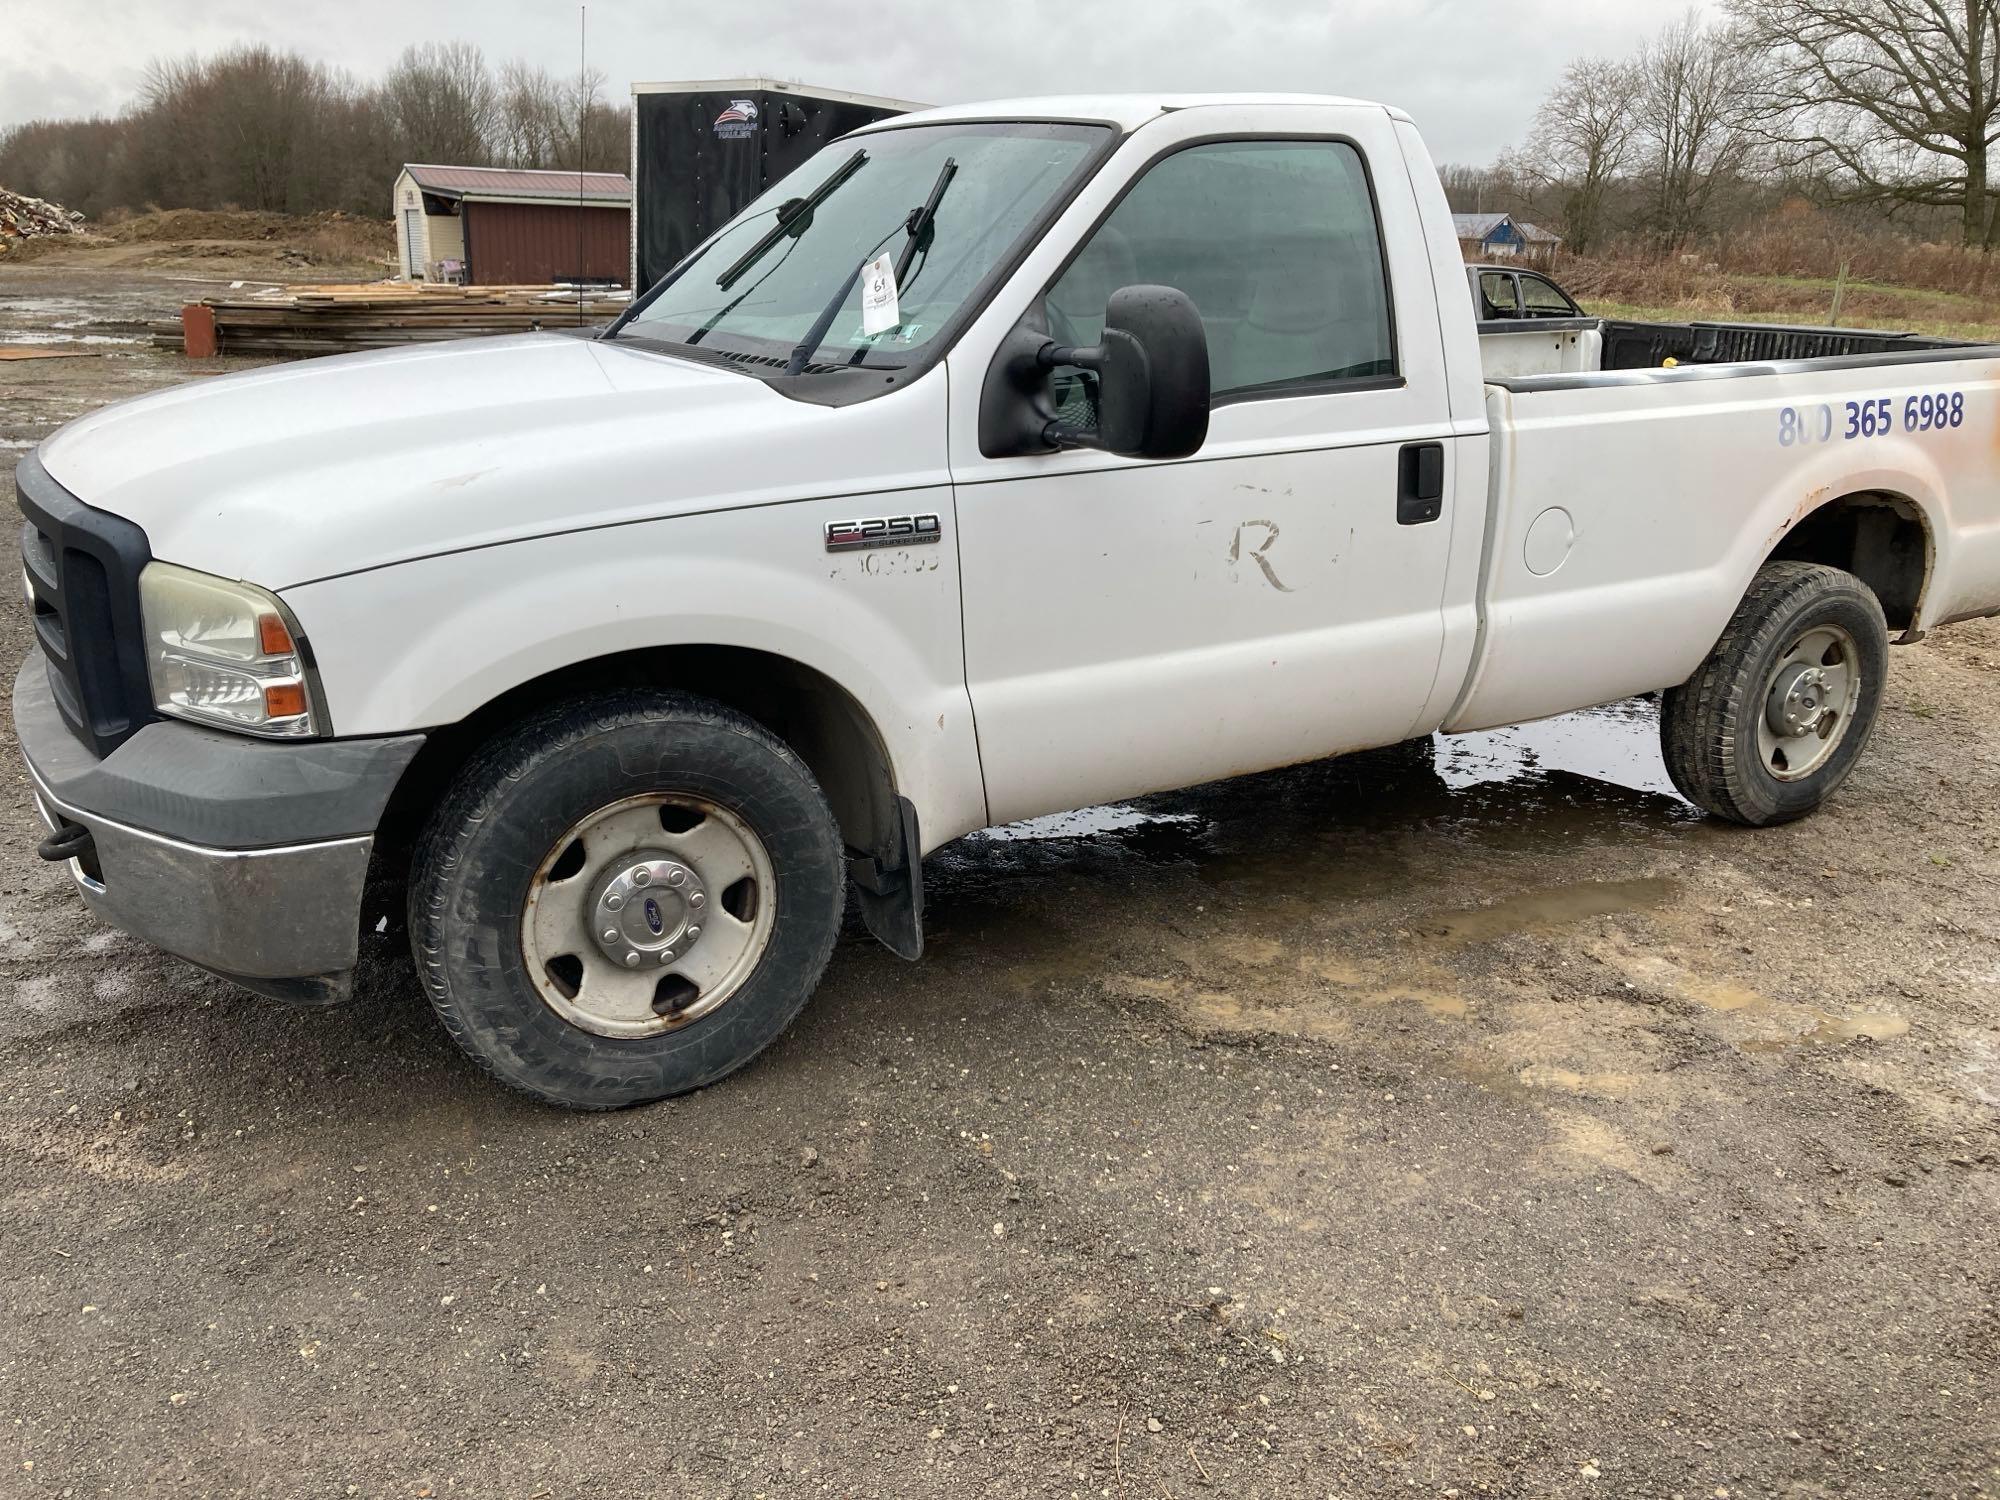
[(1152, 373), (1152, 377)]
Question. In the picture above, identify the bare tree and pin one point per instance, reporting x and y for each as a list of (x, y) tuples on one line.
[(530, 112), (1692, 123), (1582, 140), (443, 103), (264, 149), (248, 126), (1892, 101), (545, 121)]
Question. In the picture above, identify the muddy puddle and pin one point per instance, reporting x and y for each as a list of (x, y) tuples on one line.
[(1836, 1031), (1618, 744), (1594, 775)]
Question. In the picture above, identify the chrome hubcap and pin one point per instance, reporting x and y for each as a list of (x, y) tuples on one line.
[(647, 915), (649, 912), (1809, 701)]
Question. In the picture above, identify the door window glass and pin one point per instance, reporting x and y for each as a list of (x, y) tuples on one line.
[(1496, 295), (1275, 242)]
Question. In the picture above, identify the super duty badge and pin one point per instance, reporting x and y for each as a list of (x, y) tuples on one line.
[(883, 531)]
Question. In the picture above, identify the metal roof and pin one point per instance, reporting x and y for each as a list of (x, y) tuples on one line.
[(1481, 226), (773, 86), (507, 183)]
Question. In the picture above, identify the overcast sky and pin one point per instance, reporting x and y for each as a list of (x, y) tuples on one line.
[(1471, 71)]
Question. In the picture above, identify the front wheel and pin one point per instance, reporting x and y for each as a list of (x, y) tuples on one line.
[(625, 898), (1776, 717)]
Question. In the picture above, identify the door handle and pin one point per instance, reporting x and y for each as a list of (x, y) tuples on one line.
[(1420, 484)]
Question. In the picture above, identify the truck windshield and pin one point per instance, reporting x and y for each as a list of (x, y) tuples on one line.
[(760, 289)]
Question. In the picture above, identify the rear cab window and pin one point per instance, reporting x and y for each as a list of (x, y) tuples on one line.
[(1544, 299)]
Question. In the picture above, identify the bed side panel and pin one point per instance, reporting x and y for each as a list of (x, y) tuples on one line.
[(1629, 518)]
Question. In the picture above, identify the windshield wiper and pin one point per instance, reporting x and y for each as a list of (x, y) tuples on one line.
[(916, 226), (791, 215), (744, 296)]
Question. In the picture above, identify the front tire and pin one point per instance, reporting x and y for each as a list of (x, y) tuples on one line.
[(1776, 717), (624, 898)]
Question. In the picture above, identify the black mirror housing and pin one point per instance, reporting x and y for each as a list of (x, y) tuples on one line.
[(1153, 390), (1153, 382)]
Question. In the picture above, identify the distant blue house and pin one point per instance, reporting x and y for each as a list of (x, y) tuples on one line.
[(1503, 237)]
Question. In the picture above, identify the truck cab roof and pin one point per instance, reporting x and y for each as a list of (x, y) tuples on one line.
[(1126, 111)]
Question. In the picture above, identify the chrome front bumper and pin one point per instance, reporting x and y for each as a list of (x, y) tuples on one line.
[(284, 922), (245, 857)]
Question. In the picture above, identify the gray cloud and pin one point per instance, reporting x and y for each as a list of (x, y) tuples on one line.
[(1471, 71)]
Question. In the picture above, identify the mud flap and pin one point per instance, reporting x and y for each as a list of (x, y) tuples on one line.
[(892, 893)]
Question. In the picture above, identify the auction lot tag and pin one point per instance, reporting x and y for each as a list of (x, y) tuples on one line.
[(878, 296)]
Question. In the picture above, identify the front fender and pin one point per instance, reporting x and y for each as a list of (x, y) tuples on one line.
[(425, 643)]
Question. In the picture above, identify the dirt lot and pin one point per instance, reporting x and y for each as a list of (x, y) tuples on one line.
[(226, 244), (1479, 1123)]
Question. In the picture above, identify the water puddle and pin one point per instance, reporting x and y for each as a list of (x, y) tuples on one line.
[(1556, 906), (1618, 744), (1723, 995), (1347, 827), (41, 337), (1087, 822), (1831, 1031), (1568, 1080)]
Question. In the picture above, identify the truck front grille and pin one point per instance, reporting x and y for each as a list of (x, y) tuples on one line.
[(82, 572)]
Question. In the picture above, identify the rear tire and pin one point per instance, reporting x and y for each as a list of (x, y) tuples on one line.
[(625, 897), (1776, 717)]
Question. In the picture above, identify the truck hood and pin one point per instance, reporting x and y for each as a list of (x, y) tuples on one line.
[(328, 466)]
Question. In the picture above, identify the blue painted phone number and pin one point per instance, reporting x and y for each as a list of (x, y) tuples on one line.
[(1930, 412)]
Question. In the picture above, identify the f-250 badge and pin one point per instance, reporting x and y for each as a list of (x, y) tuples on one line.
[(883, 531)]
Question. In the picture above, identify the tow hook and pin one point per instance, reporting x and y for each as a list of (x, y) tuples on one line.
[(70, 841)]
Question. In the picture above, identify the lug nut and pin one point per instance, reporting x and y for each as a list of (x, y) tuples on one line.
[(642, 876), (631, 960), (613, 901), (696, 899), (611, 934), (693, 933), (667, 957), (676, 877)]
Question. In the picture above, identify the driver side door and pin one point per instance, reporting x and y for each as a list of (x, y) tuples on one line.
[(1132, 625)]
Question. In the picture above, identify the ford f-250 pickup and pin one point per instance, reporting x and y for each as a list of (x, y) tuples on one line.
[(1005, 459)]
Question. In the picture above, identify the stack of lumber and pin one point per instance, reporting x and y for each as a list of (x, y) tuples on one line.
[(298, 320)]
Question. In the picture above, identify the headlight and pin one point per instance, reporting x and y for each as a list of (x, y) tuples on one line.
[(223, 653)]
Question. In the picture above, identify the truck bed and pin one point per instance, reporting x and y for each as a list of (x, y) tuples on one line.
[(1514, 349)]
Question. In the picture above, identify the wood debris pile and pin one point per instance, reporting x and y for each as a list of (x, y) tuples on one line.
[(23, 218)]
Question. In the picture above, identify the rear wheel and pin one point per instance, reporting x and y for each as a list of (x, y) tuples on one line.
[(1777, 716), (625, 898)]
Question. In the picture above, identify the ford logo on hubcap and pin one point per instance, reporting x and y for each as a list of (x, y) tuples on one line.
[(653, 918)]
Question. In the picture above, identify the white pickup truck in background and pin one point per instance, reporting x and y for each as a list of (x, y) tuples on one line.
[(1006, 459)]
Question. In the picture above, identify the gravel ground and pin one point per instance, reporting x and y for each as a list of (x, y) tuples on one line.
[(1474, 1123)]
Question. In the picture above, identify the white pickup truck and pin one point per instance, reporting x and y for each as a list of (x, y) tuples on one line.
[(1005, 459)]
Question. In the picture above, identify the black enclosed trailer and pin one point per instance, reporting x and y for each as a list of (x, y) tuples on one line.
[(703, 150)]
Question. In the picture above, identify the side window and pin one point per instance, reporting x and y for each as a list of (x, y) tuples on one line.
[(1544, 298), (1496, 295), (1276, 244)]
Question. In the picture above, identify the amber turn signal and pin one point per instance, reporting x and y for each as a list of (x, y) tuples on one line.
[(284, 700), (272, 637)]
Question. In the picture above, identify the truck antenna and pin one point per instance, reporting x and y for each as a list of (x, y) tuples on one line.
[(582, 129)]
